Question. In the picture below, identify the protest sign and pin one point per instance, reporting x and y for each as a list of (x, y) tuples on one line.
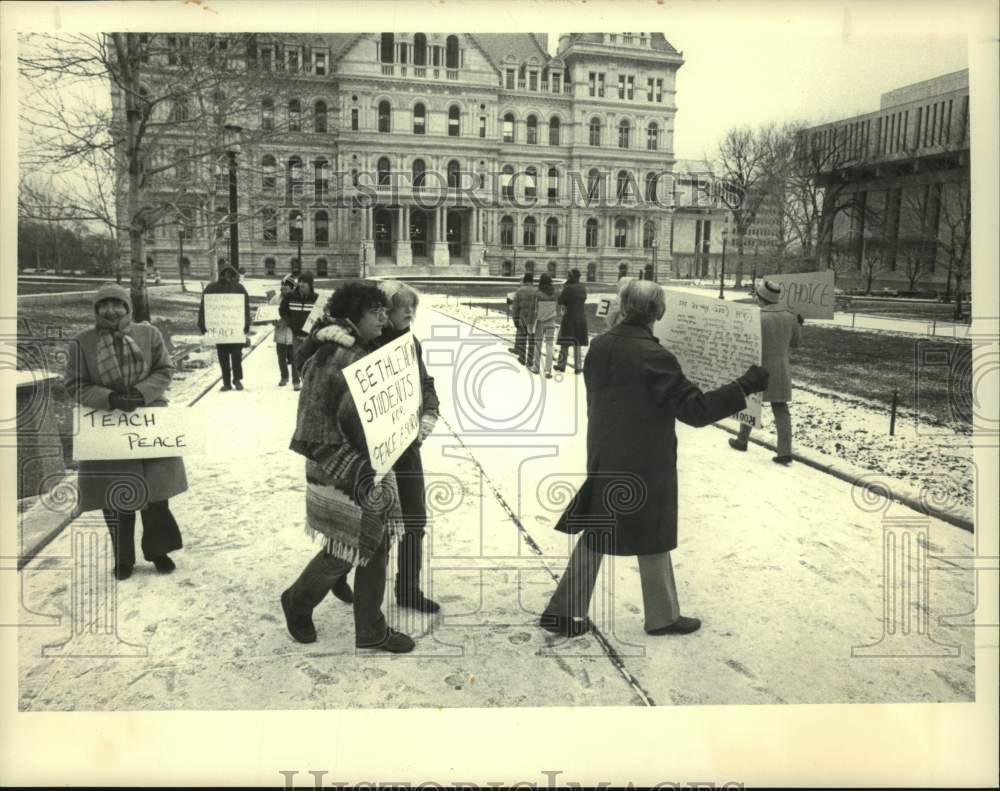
[(385, 386), (714, 341), (146, 433), (317, 310), (604, 305), (809, 294), (224, 318), (265, 314)]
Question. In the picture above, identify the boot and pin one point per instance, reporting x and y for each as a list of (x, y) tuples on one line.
[(407, 587)]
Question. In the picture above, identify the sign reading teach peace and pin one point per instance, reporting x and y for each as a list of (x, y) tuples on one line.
[(809, 294), (385, 386), (224, 318), (146, 433), (714, 341)]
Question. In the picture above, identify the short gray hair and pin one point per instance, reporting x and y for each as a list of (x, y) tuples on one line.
[(642, 302), (399, 294)]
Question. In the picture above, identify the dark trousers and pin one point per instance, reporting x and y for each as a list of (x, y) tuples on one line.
[(285, 359), (409, 471), (564, 354), (782, 426), (324, 570), (231, 362), (296, 345), (160, 533), (524, 342)]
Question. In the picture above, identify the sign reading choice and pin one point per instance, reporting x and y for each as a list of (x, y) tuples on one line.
[(385, 386), (714, 341), (810, 294), (224, 318), (148, 433)]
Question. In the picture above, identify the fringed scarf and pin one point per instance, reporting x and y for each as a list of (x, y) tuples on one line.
[(114, 372)]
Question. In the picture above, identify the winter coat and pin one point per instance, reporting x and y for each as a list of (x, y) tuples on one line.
[(295, 309), (282, 332), (779, 333), (541, 311), (635, 391), (221, 286), (523, 303), (573, 327), (160, 479)]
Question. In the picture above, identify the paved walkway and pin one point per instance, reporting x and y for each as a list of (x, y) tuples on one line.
[(784, 566)]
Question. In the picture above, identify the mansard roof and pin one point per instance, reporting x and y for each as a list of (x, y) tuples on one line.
[(658, 41), (522, 47)]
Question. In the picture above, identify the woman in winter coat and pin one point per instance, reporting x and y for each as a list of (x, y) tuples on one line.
[(230, 354), (124, 366), (636, 390), (330, 435), (542, 323), (282, 332), (573, 327)]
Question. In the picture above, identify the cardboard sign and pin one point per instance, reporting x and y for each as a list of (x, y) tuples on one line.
[(385, 386), (714, 341), (224, 318), (810, 294), (146, 433), (266, 314), (604, 305), (317, 310)]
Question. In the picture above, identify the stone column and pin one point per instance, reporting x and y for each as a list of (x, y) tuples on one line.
[(439, 248), (404, 252), (476, 246)]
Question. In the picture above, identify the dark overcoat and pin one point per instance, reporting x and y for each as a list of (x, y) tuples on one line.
[(573, 327), (635, 391)]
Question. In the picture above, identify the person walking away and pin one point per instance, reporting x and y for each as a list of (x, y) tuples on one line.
[(282, 332), (524, 297), (636, 391), (119, 365), (779, 334), (573, 329), (230, 354), (542, 320), (295, 309)]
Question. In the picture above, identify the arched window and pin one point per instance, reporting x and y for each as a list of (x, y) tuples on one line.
[(420, 50), (593, 184), (529, 266), (269, 222), (295, 226), (532, 127), (621, 234), (622, 270), (294, 115), (624, 134), (419, 171), (530, 183), (384, 116), (294, 181), (623, 189), (507, 181), (552, 233), (591, 234), (591, 272), (508, 128), (387, 48), (451, 58), (595, 131), (419, 119), (652, 136), (553, 186), (322, 270), (507, 269), (182, 164), (319, 116), (651, 182), (454, 174), (267, 114), (384, 170), (321, 227), (179, 111), (551, 268), (454, 120), (218, 108), (554, 130), (270, 266), (529, 231), (321, 185), (648, 235), (506, 232)]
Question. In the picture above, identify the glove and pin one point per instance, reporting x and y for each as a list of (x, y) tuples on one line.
[(336, 334), (754, 380), (126, 402), (427, 424), (799, 317)]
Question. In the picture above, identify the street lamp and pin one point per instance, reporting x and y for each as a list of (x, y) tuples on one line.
[(298, 233), (653, 246), (722, 269), (231, 135), (180, 255)]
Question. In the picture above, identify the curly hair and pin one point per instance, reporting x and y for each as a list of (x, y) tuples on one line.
[(354, 298)]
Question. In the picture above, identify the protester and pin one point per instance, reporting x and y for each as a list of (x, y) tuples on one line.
[(343, 503), (636, 391), (230, 354), (521, 306), (282, 332), (779, 333), (541, 321), (573, 327), (124, 366), (295, 309), (614, 308)]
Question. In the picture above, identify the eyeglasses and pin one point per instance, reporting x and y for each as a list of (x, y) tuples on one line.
[(380, 313)]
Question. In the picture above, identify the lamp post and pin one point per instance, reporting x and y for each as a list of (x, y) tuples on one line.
[(180, 256), (722, 269), (654, 245), (231, 136), (298, 234)]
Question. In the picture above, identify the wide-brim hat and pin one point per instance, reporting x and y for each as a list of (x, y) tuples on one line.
[(113, 291), (769, 292)]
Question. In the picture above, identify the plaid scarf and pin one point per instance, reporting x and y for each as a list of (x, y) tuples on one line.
[(114, 372)]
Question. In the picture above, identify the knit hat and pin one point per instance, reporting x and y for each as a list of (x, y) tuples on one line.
[(230, 268), (113, 291), (290, 281), (769, 292)]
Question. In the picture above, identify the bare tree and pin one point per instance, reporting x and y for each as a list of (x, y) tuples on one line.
[(874, 252), (955, 236)]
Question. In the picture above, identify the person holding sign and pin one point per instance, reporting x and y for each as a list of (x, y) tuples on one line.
[(779, 333), (295, 309), (356, 515), (627, 505), (119, 365), (283, 337), (573, 330), (230, 354)]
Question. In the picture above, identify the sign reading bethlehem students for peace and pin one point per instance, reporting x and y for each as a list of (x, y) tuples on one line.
[(224, 318), (385, 386), (150, 433), (714, 341), (810, 294)]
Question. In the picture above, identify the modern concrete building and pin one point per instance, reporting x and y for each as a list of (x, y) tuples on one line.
[(444, 154)]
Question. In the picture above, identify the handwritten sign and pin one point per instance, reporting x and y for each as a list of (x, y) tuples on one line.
[(317, 310), (224, 318), (146, 433), (810, 294), (714, 341), (266, 314), (604, 305), (385, 386)]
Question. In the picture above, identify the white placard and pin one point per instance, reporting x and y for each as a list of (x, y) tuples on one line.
[(225, 318), (603, 306), (266, 314), (385, 386), (146, 433), (317, 310), (714, 341), (809, 294)]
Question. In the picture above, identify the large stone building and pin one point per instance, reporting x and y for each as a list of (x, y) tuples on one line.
[(896, 188), (444, 154)]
